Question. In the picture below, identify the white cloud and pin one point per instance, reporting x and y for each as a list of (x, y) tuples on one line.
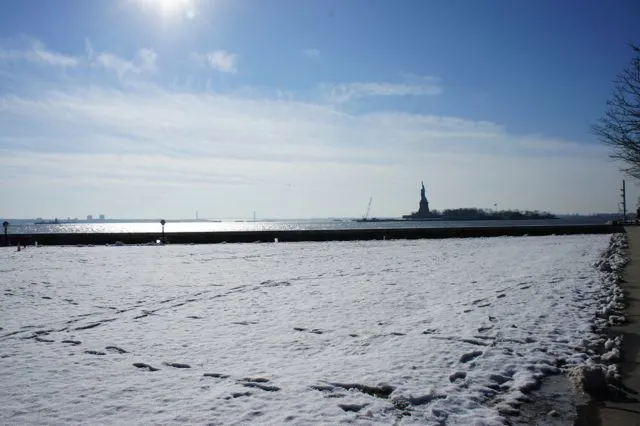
[(115, 63), (144, 61), (36, 52), (313, 54), (289, 158), (33, 51), (77, 147), (340, 93), (52, 58), (219, 60)]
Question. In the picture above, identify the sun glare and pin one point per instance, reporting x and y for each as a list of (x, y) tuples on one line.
[(170, 8)]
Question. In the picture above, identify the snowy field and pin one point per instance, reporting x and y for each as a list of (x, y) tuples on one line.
[(377, 332)]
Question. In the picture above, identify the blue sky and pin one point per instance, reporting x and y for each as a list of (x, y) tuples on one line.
[(300, 108)]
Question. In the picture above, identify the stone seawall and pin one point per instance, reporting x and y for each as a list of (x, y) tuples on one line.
[(307, 235)]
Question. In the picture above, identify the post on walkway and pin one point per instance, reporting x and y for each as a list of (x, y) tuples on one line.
[(162, 222), (623, 203), (5, 225)]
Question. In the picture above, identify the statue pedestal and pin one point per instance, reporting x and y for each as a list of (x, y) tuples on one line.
[(424, 208)]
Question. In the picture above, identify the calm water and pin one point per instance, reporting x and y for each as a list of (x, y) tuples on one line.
[(135, 227)]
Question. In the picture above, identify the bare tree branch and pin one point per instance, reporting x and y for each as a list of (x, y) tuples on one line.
[(619, 128)]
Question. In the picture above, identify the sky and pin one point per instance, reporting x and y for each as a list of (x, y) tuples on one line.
[(304, 108)]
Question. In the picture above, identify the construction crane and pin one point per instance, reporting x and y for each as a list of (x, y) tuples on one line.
[(366, 215)]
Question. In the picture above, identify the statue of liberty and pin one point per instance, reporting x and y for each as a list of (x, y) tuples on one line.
[(423, 210)]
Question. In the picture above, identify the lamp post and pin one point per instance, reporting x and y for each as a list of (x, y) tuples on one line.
[(162, 222), (5, 225)]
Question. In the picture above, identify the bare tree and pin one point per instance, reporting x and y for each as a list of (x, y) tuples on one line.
[(620, 126)]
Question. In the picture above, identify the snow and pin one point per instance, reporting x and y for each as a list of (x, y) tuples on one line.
[(377, 332)]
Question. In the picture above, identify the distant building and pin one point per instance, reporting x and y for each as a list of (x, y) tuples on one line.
[(89, 217), (101, 217)]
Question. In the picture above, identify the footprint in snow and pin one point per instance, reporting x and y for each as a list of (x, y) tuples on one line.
[(322, 388), (354, 408), (255, 379), (499, 379), (458, 375), (216, 375), (244, 322), (95, 352), (268, 388), (93, 325), (72, 342), (382, 390), (314, 330), (259, 383), (469, 356), (176, 365), (116, 349), (145, 366), (237, 395)]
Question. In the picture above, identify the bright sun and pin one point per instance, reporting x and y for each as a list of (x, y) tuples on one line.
[(170, 8)]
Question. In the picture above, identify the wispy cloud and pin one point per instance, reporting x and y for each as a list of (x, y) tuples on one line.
[(112, 62), (118, 143), (219, 60), (254, 129), (341, 93), (313, 54), (144, 61), (37, 52)]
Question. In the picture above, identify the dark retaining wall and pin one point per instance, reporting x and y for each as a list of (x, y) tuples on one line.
[(314, 235)]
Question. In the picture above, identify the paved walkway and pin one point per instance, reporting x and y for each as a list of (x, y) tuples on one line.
[(628, 413)]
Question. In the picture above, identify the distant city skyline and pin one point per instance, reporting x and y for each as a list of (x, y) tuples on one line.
[(300, 109)]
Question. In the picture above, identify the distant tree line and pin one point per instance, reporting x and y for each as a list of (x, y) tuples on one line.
[(471, 213)]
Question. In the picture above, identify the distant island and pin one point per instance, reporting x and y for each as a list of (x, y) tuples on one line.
[(69, 221), (470, 213)]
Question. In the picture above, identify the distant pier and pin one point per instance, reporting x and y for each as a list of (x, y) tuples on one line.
[(66, 239)]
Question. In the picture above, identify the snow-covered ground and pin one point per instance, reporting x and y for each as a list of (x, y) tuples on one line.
[(377, 332)]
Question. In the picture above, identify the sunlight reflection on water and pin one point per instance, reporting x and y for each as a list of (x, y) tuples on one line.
[(293, 225)]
